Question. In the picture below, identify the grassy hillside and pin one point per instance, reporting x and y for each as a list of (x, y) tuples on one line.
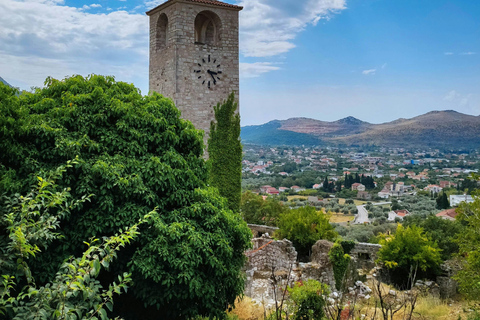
[(433, 129), (270, 134), (449, 129)]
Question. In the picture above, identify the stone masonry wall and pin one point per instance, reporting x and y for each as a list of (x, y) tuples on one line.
[(172, 68), (258, 230), (365, 254), (277, 258)]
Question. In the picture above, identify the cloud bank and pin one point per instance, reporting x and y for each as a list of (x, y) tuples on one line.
[(268, 27)]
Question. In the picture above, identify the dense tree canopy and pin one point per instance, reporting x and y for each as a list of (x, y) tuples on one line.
[(134, 154), (443, 232), (258, 211)]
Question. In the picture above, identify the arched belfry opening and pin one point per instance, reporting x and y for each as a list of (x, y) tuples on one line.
[(208, 28), (162, 32)]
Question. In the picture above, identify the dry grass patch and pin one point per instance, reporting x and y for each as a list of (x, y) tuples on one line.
[(246, 309), (297, 197), (430, 307), (356, 202), (340, 217)]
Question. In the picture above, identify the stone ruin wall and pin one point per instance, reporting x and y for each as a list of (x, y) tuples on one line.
[(278, 258), (259, 230)]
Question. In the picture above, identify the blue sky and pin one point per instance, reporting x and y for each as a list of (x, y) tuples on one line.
[(377, 60)]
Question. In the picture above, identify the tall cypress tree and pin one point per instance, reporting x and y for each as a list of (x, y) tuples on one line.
[(225, 152), (325, 184)]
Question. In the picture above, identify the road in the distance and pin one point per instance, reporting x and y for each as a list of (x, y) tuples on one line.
[(361, 216)]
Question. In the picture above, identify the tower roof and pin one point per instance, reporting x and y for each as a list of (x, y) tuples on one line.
[(208, 2)]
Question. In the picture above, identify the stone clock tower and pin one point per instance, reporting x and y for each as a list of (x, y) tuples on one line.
[(194, 55)]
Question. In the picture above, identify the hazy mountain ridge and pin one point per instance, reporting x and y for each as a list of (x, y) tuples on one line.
[(434, 129), (4, 82)]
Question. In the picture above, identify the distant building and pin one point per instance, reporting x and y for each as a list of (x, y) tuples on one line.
[(282, 189), (433, 188), (455, 199), (364, 195), (358, 186), (263, 189), (297, 188), (385, 193), (449, 214), (447, 184), (397, 214), (317, 186), (272, 191)]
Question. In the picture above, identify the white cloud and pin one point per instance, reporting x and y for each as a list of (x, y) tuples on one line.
[(369, 72), (150, 4), (451, 95), (39, 38), (465, 102), (85, 7), (253, 70), (268, 27), (95, 5), (469, 53), (448, 53), (384, 65)]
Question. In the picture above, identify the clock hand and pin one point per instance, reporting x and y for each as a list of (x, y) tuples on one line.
[(211, 74)]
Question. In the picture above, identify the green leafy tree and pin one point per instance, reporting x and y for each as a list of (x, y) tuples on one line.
[(225, 152), (409, 253), (305, 226), (135, 154), (441, 231), (28, 223), (258, 211), (469, 243)]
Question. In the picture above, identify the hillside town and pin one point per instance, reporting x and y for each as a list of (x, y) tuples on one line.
[(368, 175)]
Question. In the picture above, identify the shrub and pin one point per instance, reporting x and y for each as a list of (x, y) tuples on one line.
[(409, 252), (308, 300), (304, 226), (340, 261), (28, 223)]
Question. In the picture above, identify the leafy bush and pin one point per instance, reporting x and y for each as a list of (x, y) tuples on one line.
[(28, 223), (340, 261), (258, 211), (304, 226), (409, 252), (308, 300)]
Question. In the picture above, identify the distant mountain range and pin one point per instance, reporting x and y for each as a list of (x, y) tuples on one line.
[(5, 82), (434, 129)]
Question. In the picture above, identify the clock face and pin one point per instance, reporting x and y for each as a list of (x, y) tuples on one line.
[(208, 71)]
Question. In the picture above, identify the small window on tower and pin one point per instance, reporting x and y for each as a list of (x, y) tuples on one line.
[(162, 31), (207, 28)]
